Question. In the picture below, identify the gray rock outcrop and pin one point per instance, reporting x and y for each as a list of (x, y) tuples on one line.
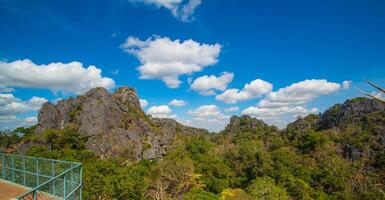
[(351, 111), (114, 124)]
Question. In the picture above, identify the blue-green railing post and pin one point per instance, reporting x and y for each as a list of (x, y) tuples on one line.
[(35, 195), (72, 175), (24, 172), (53, 175), (37, 172), (13, 169), (65, 188), (3, 166), (81, 181)]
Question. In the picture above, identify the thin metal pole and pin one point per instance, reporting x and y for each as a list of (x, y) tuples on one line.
[(53, 175), (81, 181), (24, 171), (37, 172), (13, 169), (3, 165), (72, 175), (65, 188)]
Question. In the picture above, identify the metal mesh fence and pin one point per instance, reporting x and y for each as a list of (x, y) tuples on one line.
[(47, 178)]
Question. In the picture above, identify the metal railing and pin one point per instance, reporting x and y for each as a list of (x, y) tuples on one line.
[(45, 178)]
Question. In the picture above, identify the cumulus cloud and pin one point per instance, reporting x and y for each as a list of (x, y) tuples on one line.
[(10, 105), (279, 116), (30, 120), (186, 122), (271, 113), (290, 102), (165, 59), (346, 84), (177, 102), (232, 109), (379, 95), (162, 111), (180, 9), (207, 85), (7, 118), (143, 103), (9, 122), (209, 117), (251, 90), (4, 89), (299, 93), (70, 77)]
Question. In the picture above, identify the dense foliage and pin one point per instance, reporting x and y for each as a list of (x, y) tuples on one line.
[(10, 138), (256, 163)]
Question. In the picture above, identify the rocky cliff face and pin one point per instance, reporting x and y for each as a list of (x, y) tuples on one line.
[(358, 125), (339, 116), (247, 123), (114, 124), (351, 111)]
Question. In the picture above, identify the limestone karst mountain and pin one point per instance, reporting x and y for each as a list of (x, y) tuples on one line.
[(113, 124)]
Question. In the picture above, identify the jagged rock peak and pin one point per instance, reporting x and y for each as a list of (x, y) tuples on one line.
[(351, 110), (304, 124), (114, 124), (245, 123), (96, 92), (128, 96)]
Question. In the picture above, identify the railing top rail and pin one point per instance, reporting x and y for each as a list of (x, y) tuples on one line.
[(46, 159)]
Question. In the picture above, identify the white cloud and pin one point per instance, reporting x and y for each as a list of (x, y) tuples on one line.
[(232, 109), (314, 110), (4, 89), (30, 120), (282, 106), (70, 77), (279, 116), (299, 93), (186, 122), (209, 117), (177, 102), (143, 103), (251, 90), (10, 122), (268, 113), (346, 84), (207, 85), (164, 59), (162, 111), (378, 95), (180, 9), (7, 118), (206, 111), (10, 105)]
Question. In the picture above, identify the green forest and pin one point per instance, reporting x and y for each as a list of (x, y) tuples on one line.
[(303, 161)]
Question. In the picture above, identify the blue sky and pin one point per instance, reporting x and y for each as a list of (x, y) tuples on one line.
[(269, 45)]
